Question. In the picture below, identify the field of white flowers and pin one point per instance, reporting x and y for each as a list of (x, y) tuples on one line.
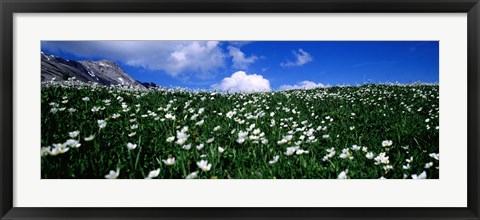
[(361, 132)]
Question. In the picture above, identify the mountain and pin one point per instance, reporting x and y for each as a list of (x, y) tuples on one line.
[(105, 72), (148, 85)]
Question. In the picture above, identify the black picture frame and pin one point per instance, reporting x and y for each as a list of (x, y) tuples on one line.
[(9, 7)]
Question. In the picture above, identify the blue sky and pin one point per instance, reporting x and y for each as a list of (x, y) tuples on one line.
[(262, 65)]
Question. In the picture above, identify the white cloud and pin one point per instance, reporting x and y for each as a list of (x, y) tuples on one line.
[(177, 58), (303, 85), (243, 82), (301, 58), (238, 58)]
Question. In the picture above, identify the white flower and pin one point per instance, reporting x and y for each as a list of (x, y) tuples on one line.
[(131, 146), (427, 120), (194, 117), (72, 143), (331, 153), (134, 126), (101, 123), (170, 116), (95, 109), (288, 137), (370, 155), (170, 139), (291, 150), (240, 140), (243, 134), (210, 140), (352, 128), (381, 158), (285, 139), (274, 160), (387, 143), (216, 128), (169, 161), (428, 165), (89, 138), (132, 134), (409, 160), (187, 146), (58, 149), (325, 136), (230, 114), (346, 154), (221, 150), (113, 174), (343, 175), (356, 147), (73, 134), (423, 175), (406, 167), (204, 165), (181, 137), (86, 99), (434, 156), (200, 122), (114, 116), (387, 168), (301, 151), (192, 175), (153, 174), (200, 146), (44, 151)]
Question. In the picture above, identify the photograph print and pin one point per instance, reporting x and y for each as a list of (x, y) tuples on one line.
[(239, 110)]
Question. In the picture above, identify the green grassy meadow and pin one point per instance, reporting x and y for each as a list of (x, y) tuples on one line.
[(359, 132)]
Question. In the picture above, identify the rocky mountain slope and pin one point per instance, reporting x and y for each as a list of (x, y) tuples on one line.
[(105, 72)]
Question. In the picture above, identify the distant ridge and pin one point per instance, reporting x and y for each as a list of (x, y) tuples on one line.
[(149, 85), (105, 72)]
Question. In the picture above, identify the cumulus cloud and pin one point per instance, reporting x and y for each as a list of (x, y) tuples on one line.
[(243, 82), (177, 58), (301, 58), (240, 61), (303, 85), (239, 43)]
